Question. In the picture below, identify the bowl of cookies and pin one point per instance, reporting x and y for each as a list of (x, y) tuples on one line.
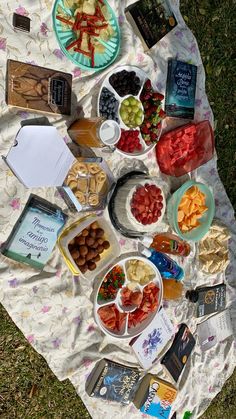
[(88, 246), (90, 180)]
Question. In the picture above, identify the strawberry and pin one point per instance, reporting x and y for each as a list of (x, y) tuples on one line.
[(157, 96), (144, 129), (148, 85), (162, 114)]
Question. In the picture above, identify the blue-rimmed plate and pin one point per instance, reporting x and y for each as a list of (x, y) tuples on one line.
[(66, 36)]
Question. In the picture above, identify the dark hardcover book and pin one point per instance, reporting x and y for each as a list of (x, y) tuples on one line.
[(38, 88), (151, 20), (180, 89), (176, 357), (112, 381), (211, 299), (35, 233)]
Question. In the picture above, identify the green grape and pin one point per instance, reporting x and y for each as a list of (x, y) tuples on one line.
[(129, 109), (140, 113), (135, 109), (125, 102), (138, 121), (132, 100)]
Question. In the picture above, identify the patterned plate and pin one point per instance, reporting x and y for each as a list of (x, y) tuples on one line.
[(65, 37)]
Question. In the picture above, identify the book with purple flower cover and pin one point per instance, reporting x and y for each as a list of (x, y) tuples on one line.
[(154, 338)]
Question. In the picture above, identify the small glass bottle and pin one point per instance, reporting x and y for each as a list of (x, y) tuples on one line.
[(167, 243), (167, 267)]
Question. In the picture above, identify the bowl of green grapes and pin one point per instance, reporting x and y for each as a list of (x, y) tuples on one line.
[(131, 112)]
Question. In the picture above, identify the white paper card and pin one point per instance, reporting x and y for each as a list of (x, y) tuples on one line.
[(153, 339), (40, 157), (214, 330)]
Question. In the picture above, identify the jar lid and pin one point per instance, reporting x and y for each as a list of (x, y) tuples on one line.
[(109, 132)]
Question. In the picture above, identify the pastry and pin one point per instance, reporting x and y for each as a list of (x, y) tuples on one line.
[(81, 197), (79, 168), (92, 185), (82, 184), (101, 178), (72, 184), (93, 168), (93, 199)]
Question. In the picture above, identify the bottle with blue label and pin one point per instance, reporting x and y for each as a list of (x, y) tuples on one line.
[(167, 267)]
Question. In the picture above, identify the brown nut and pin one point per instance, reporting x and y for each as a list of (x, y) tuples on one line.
[(80, 261), (99, 232), (83, 250), (85, 232), (94, 225), (72, 242), (75, 254), (100, 241), (91, 265), (83, 268), (80, 240), (100, 248), (90, 255), (95, 245), (97, 258), (90, 241), (106, 244), (92, 233)]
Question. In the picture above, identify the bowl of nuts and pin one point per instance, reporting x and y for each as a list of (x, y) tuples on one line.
[(88, 246)]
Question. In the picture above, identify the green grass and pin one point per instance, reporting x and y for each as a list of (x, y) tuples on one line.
[(28, 389)]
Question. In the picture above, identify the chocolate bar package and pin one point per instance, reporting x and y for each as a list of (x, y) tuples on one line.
[(176, 357), (38, 88), (35, 233), (112, 381), (151, 20), (180, 89), (155, 397)]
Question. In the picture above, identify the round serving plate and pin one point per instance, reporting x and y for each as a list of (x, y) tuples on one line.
[(128, 331), (65, 36), (143, 77)]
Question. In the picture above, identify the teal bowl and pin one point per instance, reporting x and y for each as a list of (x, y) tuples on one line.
[(65, 37), (172, 211)]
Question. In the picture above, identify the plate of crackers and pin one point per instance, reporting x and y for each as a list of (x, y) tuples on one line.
[(90, 181)]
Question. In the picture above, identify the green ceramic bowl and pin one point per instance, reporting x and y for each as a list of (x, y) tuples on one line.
[(65, 37), (172, 211)]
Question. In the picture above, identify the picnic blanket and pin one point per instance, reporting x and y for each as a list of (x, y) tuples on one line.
[(55, 310)]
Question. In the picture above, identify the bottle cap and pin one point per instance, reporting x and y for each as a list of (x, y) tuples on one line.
[(146, 252), (192, 296), (187, 415), (146, 241)]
